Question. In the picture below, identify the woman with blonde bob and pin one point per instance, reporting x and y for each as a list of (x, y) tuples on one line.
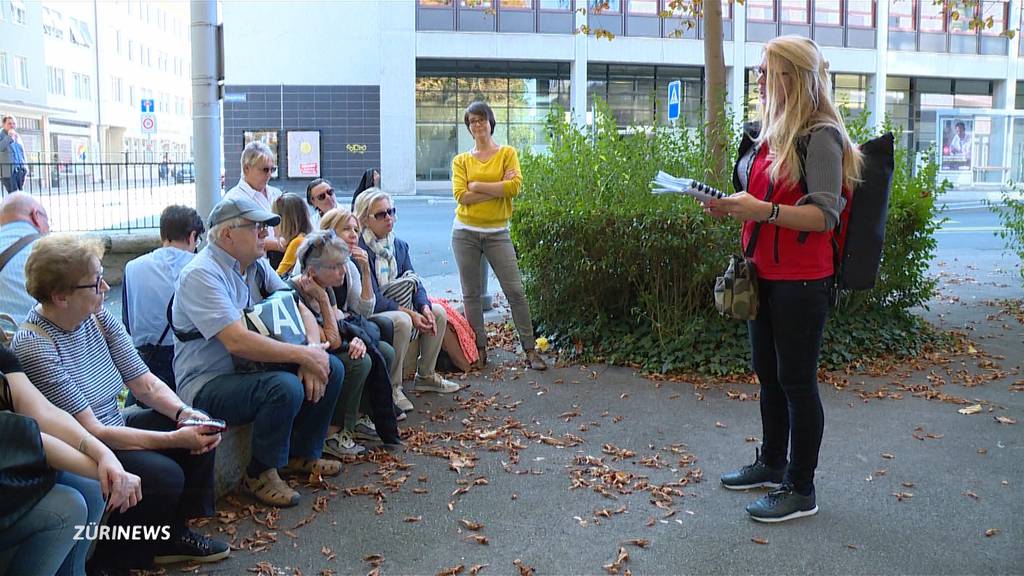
[(789, 177)]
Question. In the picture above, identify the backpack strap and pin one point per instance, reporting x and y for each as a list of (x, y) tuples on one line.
[(749, 252), (18, 246)]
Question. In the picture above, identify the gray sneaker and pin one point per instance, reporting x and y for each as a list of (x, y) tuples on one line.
[(400, 400), (781, 505), (756, 475), (365, 430), (435, 383), (341, 444)]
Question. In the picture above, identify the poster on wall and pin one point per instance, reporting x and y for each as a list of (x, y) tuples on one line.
[(303, 153), (956, 133), (268, 137)]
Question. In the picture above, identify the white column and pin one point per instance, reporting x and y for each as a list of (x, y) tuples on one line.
[(876, 84), (397, 26), (578, 73), (206, 127), (738, 75), (1009, 92)]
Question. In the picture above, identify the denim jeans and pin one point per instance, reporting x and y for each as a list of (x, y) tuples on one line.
[(468, 246), (284, 424), (90, 490), (44, 536), (785, 343)]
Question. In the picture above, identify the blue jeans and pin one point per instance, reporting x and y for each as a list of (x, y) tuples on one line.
[(785, 342), (44, 536), (90, 490), (284, 424)]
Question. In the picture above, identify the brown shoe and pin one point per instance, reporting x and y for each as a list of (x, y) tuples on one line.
[(307, 466), (270, 489), (534, 360)]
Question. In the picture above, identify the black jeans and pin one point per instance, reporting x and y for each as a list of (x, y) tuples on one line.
[(176, 487), (785, 342)]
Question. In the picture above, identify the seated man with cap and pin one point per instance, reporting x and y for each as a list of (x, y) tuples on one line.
[(290, 411)]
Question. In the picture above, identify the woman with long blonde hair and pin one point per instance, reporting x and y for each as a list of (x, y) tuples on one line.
[(789, 177)]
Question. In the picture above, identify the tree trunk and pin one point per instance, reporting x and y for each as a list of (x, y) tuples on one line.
[(716, 129)]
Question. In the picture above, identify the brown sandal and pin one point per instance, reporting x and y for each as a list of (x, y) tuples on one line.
[(307, 466), (270, 489)]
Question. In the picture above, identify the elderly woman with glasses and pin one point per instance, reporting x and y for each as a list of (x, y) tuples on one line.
[(80, 357), (320, 198), (485, 180), (366, 388)]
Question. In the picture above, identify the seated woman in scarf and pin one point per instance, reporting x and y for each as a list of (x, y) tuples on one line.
[(324, 258)]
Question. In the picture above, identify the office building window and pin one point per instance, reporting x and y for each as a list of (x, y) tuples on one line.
[(21, 72), (5, 70), (761, 10), (82, 86), (901, 16), (80, 34), (476, 4), (55, 82), (53, 23), (850, 94), (998, 12), (18, 13), (131, 50), (961, 25), (828, 12), (117, 89), (556, 5), (932, 17), (860, 13), (643, 7), (795, 11), (435, 3), (517, 4), (605, 6)]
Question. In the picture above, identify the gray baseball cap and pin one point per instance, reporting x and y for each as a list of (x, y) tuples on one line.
[(229, 208)]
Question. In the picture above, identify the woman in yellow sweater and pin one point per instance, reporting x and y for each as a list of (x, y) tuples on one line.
[(292, 230), (484, 182)]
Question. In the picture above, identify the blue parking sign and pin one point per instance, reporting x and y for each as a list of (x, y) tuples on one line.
[(674, 88)]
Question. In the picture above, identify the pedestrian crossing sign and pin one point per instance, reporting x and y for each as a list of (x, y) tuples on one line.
[(673, 99)]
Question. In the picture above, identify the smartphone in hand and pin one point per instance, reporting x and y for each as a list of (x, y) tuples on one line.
[(219, 425)]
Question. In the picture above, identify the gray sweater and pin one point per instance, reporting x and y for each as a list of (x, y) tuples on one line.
[(824, 173)]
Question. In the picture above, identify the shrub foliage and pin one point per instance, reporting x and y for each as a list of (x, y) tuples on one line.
[(616, 273)]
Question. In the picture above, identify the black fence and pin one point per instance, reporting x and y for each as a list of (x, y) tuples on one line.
[(107, 196)]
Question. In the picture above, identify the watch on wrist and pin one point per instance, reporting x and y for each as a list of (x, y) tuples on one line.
[(774, 215)]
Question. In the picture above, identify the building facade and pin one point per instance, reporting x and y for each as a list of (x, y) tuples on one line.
[(428, 59), (74, 73)]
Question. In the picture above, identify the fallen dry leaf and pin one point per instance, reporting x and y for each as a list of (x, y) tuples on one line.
[(973, 409), (991, 532), (411, 519), (478, 538), (901, 496), (524, 570), (476, 568), (759, 540), (853, 547), (328, 553), (720, 425), (616, 565), (1005, 420), (888, 456), (452, 571), (470, 524), (639, 542)]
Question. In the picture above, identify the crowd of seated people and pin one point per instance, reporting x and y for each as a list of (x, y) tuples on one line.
[(195, 356)]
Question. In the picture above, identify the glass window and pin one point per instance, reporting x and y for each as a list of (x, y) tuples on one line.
[(645, 7), (860, 13), (476, 4), (517, 4), (828, 12), (901, 16), (5, 71), (761, 10), (964, 15), (795, 11), (18, 13), (997, 12), (932, 17), (850, 93), (21, 72), (53, 23), (604, 6), (560, 5)]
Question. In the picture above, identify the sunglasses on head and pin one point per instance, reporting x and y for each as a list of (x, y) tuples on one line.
[(385, 213), (321, 196)]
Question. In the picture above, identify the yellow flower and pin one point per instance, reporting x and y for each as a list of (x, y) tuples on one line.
[(542, 344)]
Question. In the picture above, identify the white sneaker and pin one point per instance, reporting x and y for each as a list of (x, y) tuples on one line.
[(435, 383), (400, 400), (341, 444)]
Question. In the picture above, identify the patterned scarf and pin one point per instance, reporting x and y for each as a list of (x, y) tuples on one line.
[(385, 264)]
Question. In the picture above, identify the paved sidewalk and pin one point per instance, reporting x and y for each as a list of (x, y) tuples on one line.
[(562, 468)]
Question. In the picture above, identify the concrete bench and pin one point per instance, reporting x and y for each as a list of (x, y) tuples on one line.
[(233, 456)]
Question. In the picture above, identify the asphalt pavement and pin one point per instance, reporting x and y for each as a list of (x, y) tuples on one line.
[(564, 468)]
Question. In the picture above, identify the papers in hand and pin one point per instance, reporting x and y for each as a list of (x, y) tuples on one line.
[(665, 183)]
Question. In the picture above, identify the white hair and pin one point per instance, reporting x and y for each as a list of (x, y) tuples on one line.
[(217, 230), (321, 246), (253, 152), (366, 200)]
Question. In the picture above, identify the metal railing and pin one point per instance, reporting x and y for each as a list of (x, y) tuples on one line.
[(107, 196)]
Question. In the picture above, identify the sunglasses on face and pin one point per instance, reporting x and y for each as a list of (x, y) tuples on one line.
[(268, 169), (385, 213), (95, 287), (323, 195)]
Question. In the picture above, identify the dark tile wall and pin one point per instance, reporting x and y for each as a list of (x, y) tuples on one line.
[(348, 118)]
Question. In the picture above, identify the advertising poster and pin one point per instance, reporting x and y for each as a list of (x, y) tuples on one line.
[(956, 133), (303, 153), (268, 137)]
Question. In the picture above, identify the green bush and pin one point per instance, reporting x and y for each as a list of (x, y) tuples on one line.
[(616, 273), (1011, 213)]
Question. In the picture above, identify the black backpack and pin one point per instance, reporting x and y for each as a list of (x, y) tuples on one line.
[(859, 236)]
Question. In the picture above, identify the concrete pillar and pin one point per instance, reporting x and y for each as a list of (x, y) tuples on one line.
[(738, 73), (578, 73), (206, 115), (876, 83), (397, 27), (1006, 97)]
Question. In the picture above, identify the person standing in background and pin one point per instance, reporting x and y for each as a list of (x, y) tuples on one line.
[(257, 169), (12, 156)]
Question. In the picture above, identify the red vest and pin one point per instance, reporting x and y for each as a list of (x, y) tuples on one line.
[(779, 254)]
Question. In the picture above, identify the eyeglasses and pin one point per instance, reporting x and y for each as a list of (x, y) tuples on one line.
[(321, 196), (473, 121), (385, 213), (760, 72), (95, 287), (256, 226), (268, 169)]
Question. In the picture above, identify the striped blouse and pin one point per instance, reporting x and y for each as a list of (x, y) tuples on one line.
[(83, 368)]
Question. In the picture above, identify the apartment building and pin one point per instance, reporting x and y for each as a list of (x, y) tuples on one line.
[(385, 83)]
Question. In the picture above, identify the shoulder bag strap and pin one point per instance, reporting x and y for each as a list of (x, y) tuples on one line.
[(18, 246), (749, 252)]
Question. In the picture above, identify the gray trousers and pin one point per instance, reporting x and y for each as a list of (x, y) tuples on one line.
[(496, 247)]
